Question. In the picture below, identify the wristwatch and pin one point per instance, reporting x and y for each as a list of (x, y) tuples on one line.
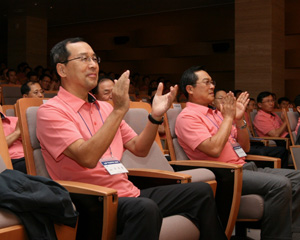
[(244, 126), (151, 119)]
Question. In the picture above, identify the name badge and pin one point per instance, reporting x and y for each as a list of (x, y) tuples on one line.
[(238, 149), (114, 167)]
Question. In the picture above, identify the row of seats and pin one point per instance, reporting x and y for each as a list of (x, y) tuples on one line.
[(226, 179), (11, 93)]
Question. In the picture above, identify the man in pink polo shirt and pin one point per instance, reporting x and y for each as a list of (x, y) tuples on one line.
[(14, 142), (266, 123), (215, 135), (83, 139)]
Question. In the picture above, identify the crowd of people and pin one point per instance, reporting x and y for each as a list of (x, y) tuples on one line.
[(212, 126)]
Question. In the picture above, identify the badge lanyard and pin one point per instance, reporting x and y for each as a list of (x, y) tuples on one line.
[(89, 128), (235, 145), (217, 126)]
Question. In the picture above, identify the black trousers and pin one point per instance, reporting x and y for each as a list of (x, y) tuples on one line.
[(141, 218), (278, 152)]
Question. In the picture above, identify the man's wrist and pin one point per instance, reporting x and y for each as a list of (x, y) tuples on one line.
[(241, 124), (155, 120)]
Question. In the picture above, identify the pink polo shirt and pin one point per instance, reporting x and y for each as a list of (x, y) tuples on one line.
[(9, 125), (266, 122), (197, 123), (297, 127), (65, 119)]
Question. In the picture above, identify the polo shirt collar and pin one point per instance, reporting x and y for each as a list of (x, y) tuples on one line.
[(266, 114), (199, 108), (74, 102)]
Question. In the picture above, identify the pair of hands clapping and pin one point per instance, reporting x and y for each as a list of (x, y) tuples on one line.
[(161, 103), (234, 108)]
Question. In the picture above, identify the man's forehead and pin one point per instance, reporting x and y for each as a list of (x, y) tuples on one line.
[(221, 93), (202, 75), (79, 48)]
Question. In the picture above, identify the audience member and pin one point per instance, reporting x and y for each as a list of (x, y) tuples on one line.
[(237, 93), (32, 77), (32, 90), (13, 138), (45, 82), (90, 133), (103, 91), (267, 123), (208, 134), (284, 102), (3, 77), (297, 105), (12, 76), (256, 148), (39, 70)]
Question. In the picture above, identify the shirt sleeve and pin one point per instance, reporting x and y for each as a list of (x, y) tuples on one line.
[(263, 124), (127, 132), (55, 130), (191, 131)]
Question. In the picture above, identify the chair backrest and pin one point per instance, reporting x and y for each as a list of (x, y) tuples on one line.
[(26, 111), (9, 110), (252, 115), (295, 152), (176, 151), (137, 118), (10, 94), (292, 120)]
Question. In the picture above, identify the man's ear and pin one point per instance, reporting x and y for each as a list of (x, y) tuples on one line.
[(60, 68), (259, 105), (298, 109), (189, 89), (25, 95)]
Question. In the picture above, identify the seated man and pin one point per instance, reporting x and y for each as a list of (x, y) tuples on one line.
[(256, 148), (222, 136), (284, 102), (32, 90), (12, 77), (267, 123), (80, 137), (297, 105), (103, 91), (13, 138), (45, 82)]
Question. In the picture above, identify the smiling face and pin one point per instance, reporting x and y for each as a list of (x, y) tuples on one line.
[(267, 104), (77, 76), (203, 91)]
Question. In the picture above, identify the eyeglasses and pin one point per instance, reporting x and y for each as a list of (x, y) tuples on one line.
[(208, 82), (85, 59), (268, 101)]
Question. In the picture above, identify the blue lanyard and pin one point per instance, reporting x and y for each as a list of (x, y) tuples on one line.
[(89, 128), (217, 126)]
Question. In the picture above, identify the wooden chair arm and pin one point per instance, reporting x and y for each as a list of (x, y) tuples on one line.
[(110, 204), (229, 190), (155, 173), (276, 161), (276, 138), (205, 164), (86, 188)]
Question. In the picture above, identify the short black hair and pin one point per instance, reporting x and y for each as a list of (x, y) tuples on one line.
[(25, 89), (280, 100), (10, 70), (30, 74), (45, 75), (262, 95), (189, 78), (60, 54)]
